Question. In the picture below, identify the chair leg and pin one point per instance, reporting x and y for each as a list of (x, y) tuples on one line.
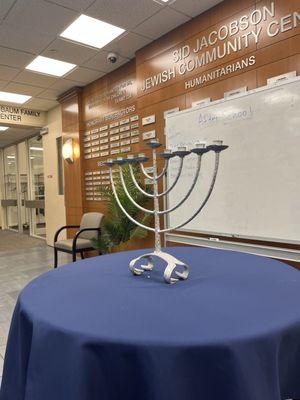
[(74, 256), (82, 255), (55, 257)]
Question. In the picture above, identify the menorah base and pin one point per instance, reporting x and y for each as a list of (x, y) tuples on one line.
[(171, 275)]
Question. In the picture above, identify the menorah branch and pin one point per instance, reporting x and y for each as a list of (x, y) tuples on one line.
[(203, 203), (168, 190), (129, 196), (175, 269), (196, 176), (137, 185), (122, 208), (165, 167)]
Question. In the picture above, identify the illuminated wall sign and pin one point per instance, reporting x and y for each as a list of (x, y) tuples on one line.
[(237, 36), (12, 115)]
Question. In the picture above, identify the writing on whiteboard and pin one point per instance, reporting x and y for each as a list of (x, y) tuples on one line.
[(207, 119), (238, 115)]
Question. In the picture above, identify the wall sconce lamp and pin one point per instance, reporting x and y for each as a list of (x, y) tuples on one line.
[(68, 151)]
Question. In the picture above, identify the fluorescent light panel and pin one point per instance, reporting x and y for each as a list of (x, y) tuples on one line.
[(14, 97), (50, 66), (91, 31), (36, 148), (165, 1), (3, 128)]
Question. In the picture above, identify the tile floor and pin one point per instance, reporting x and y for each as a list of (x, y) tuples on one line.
[(21, 259)]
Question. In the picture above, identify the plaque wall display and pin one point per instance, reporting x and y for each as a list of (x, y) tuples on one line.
[(237, 43)]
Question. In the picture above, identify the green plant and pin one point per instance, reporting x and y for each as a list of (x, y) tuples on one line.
[(117, 228)]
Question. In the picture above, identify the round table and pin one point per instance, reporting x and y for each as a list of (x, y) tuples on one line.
[(93, 331)]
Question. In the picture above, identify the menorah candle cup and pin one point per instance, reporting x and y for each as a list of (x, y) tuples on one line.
[(167, 153), (218, 146), (153, 144), (120, 161), (130, 159), (141, 157), (200, 148), (200, 145), (217, 142), (181, 151), (109, 162)]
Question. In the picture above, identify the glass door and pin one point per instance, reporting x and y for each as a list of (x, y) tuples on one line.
[(10, 202), (24, 212), (36, 203)]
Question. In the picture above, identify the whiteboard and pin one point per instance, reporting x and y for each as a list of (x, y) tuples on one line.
[(257, 191)]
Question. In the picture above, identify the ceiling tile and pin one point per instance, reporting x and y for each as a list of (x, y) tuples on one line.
[(128, 44), (5, 6), (32, 24), (50, 94), (84, 75), (70, 52), (41, 104), (99, 62), (23, 38), (161, 23), (2, 84), (194, 7), (34, 79), (125, 14), (64, 84), (15, 58), (78, 5), (8, 73), (29, 90)]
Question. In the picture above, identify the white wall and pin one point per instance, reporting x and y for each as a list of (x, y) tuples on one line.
[(54, 203), (1, 186)]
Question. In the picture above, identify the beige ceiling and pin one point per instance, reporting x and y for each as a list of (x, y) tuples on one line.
[(32, 27), (13, 135)]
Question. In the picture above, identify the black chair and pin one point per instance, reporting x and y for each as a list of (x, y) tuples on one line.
[(89, 228)]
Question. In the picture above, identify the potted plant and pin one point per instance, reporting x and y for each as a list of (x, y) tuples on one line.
[(117, 229)]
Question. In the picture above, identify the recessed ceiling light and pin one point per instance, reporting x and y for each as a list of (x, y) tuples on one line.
[(91, 31), (36, 148), (50, 66), (3, 128), (164, 2), (14, 97)]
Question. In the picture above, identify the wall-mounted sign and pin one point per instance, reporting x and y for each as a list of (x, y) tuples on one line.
[(111, 116), (12, 115), (149, 135), (116, 94), (171, 111), (150, 119), (124, 121), (220, 45)]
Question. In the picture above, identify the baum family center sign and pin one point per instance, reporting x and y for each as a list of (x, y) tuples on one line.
[(11, 115), (226, 41)]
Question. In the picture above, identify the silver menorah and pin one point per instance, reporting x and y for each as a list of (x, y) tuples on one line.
[(175, 268)]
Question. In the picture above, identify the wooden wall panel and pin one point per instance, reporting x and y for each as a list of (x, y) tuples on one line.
[(273, 56), (71, 121)]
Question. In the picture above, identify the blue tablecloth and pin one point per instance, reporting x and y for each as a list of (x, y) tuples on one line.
[(92, 331)]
